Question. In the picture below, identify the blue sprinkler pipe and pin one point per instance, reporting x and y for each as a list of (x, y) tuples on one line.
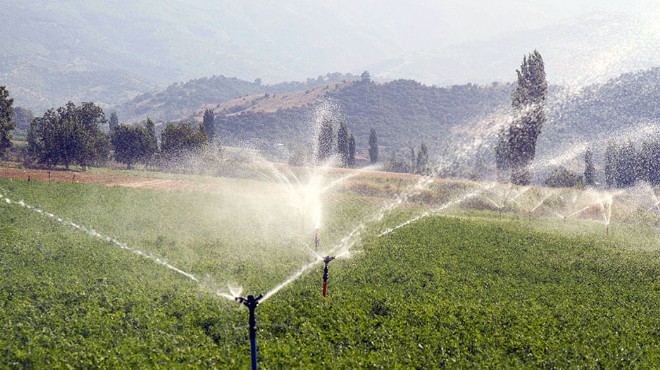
[(251, 303)]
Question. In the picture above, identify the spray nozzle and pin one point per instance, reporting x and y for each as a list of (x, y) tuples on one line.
[(328, 259), (249, 302)]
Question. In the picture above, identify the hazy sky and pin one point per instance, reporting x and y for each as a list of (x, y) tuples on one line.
[(423, 24)]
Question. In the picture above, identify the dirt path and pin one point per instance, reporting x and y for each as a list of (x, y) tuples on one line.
[(9, 170)]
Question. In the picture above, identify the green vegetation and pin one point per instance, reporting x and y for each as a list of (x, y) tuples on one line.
[(461, 292)]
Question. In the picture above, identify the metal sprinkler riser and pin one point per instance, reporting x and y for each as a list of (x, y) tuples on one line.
[(326, 260), (251, 303)]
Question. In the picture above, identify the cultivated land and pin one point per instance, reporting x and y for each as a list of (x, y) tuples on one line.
[(480, 283)]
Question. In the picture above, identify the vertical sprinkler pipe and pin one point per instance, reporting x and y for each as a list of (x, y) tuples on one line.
[(316, 241), (251, 303), (326, 260)]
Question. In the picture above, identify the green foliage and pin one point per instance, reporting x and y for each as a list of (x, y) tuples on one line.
[(69, 135), (589, 169), (351, 150), (7, 122), (131, 144), (422, 164), (373, 146), (209, 124), (325, 139), (561, 177), (113, 122), (441, 292), (180, 140), (529, 116), (342, 143)]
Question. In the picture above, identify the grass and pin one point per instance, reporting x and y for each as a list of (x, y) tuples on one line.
[(471, 291)]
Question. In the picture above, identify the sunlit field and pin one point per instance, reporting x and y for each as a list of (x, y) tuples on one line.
[(429, 273)]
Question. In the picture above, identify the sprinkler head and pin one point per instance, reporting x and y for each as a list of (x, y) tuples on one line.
[(250, 302), (328, 259)]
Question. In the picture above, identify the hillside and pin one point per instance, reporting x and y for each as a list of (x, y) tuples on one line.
[(457, 123), (185, 99), (403, 112)]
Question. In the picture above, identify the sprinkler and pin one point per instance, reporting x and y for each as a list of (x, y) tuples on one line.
[(251, 303), (316, 240), (326, 260)]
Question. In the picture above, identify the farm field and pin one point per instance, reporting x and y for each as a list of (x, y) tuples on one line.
[(475, 286)]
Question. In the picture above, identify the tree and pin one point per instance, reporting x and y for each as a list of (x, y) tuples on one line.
[(351, 151), (422, 159), (152, 140), (365, 77), (130, 144), (209, 124), (373, 146), (654, 163), (529, 116), (413, 160), (589, 169), (502, 155), (7, 123), (626, 166), (563, 178), (326, 136), (342, 143), (114, 122), (23, 117), (69, 135), (178, 141), (610, 164)]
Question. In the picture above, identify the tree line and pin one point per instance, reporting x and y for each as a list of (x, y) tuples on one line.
[(73, 135)]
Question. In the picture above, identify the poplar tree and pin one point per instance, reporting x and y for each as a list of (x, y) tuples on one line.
[(589, 169), (529, 116), (209, 124), (325, 139), (373, 146), (342, 143), (7, 123), (351, 150)]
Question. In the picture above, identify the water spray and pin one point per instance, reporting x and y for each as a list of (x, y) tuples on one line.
[(251, 303), (326, 261), (316, 240)]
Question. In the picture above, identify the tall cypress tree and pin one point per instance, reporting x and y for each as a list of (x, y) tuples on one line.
[(114, 122), (373, 146), (325, 139), (502, 155), (7, 123), (529, 116), (422, 159), (209, 124), (351, 150), (610, 164), (589, 169), (342, 143)]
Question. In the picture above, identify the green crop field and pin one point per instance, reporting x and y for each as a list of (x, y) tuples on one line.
[(471, 288)]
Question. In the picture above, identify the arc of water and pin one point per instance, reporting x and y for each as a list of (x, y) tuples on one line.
[(108, 239)]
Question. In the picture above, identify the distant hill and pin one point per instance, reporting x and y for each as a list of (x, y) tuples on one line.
[(457, 123), (186, 99), (403, 112)]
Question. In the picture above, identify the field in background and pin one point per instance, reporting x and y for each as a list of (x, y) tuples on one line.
[(477, 284)]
